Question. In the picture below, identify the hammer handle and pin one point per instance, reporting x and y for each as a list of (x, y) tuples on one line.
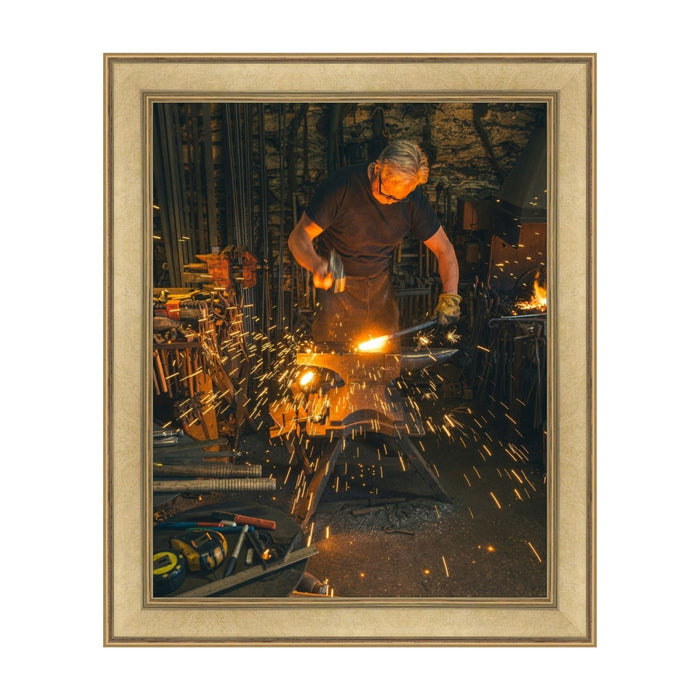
[(255, 522)]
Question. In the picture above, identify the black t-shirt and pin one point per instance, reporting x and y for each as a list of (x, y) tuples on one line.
[(361, 230)]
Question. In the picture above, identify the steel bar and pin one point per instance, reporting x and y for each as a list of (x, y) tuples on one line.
[(212, 471), (248, 163), (293, 268), (189, 459), (181, 187), (239, 189), (413, 329), (169, 116), (209, 173), (163, 197), (522, 317), (231, 209), (306, 507), (206, 485), (280, 252), (421, 466), (197, 446), (198, 188), (264, 250)]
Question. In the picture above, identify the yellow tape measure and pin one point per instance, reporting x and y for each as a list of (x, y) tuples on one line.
[(203, 551), (168, 572)]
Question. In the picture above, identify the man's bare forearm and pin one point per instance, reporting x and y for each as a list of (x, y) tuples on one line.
[(301, 245), (448, 267)]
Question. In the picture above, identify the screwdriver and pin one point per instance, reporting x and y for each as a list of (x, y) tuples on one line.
[(231, 563)]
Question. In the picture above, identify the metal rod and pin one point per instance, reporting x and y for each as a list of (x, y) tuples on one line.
[(202, 485), (413, 329), (522, 317), (210, 184), (280, 260), (212, 471)]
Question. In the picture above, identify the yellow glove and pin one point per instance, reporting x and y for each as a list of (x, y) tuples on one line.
[(447, 309)]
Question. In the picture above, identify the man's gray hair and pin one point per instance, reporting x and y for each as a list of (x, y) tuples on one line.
[(406, 158)]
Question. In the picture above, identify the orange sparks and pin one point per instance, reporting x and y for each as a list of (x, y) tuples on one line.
[(534, 551)]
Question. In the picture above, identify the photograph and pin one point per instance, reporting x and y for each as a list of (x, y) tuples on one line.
[(349, 359)]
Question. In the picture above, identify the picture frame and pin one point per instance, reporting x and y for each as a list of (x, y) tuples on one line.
[(566, 617)]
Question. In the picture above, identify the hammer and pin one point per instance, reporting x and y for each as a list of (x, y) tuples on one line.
[(335, 267)]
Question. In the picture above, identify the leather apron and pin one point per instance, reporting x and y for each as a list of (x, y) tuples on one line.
[(366, 309)]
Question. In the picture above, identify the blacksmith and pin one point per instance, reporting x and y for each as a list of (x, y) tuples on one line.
[(364, 211)]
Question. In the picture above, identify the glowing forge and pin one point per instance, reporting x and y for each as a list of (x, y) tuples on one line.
[(306, 377), (373, 344)]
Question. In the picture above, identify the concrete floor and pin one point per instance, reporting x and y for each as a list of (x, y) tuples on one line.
[(490, 540)]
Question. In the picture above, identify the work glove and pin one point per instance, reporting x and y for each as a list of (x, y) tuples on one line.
[(447, 309)]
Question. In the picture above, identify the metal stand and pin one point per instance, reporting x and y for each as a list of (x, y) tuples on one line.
[(317, 478)]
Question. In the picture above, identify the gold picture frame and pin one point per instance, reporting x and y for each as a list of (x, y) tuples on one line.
[(566, 617)]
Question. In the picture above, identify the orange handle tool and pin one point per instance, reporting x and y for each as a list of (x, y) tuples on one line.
[(255, 522)]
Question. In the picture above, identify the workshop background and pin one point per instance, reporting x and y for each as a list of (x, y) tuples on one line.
[(457, 509)]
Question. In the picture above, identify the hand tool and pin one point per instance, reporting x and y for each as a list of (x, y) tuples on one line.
[(388, 529), (193, 526), (186, 524), (239, 519), (168, 572), (233, 558), (262, 553), (203, 551), (259, 523), (335, 267)]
